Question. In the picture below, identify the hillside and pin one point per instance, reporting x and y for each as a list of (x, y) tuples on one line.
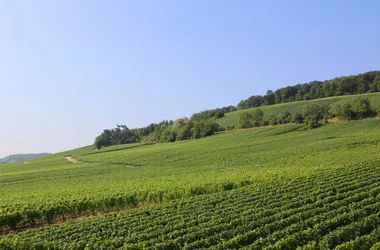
[(276, 186), (21, 157), (231, 118)]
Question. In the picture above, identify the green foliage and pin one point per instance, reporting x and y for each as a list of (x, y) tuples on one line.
[(343, 111), (212, 113), (204, 128), (250, 119), (245, 120), (359, 108), (297, 118), (348, 85), (99, 142), (284, 118), (314, 113)]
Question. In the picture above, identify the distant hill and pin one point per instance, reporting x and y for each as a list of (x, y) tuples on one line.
[(21, 157)]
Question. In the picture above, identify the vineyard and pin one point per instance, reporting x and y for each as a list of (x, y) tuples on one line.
[(335, 208), (276, 187)]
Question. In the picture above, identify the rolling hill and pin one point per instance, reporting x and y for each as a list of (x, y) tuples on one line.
[(275, 187)]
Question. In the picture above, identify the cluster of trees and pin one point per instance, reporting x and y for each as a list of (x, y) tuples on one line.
[(212, 113), (183, 129), (165, 131), (348, 85), (312, 115), (122, 134), (358, 109)]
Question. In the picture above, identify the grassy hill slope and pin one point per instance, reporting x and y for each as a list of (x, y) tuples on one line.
[(119, 176), (278, 187), (230, 119)]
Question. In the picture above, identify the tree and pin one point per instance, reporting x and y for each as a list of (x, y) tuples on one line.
[(272, 120), (269, 97), (99, 142), (313, 113), (361, 107), (204, 128), (184, 133), (257, 116), (375, 85), (298, 118), (249, 119), (343, 111), (245, 120), (285, 118), (219, 114)]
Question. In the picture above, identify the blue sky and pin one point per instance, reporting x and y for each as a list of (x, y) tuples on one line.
[(70, 69)]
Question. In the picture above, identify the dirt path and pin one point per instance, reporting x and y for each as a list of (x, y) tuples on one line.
[(72, 159)]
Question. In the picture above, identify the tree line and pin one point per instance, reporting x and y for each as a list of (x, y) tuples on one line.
[(347, 85), (165, 131)]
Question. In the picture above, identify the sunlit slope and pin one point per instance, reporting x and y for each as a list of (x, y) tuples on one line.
[(230, 119), (334, 208), (119, 176)]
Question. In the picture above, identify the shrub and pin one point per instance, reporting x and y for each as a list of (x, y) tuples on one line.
[(297, 118), (358, 109), (313, 113), (249, 119)]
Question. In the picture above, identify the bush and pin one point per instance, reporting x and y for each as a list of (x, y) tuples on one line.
[(249, 119), (343, 111), (272, 120), (313, 113), (245, 120), (361, 107), (204, 128), (358, 109), (284, 118), (297, 118), (230, 127)]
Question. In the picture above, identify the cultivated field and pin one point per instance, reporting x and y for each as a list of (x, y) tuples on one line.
[(278, 187)]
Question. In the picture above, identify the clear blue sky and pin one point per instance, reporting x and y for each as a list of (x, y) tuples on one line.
[(70, 69)]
